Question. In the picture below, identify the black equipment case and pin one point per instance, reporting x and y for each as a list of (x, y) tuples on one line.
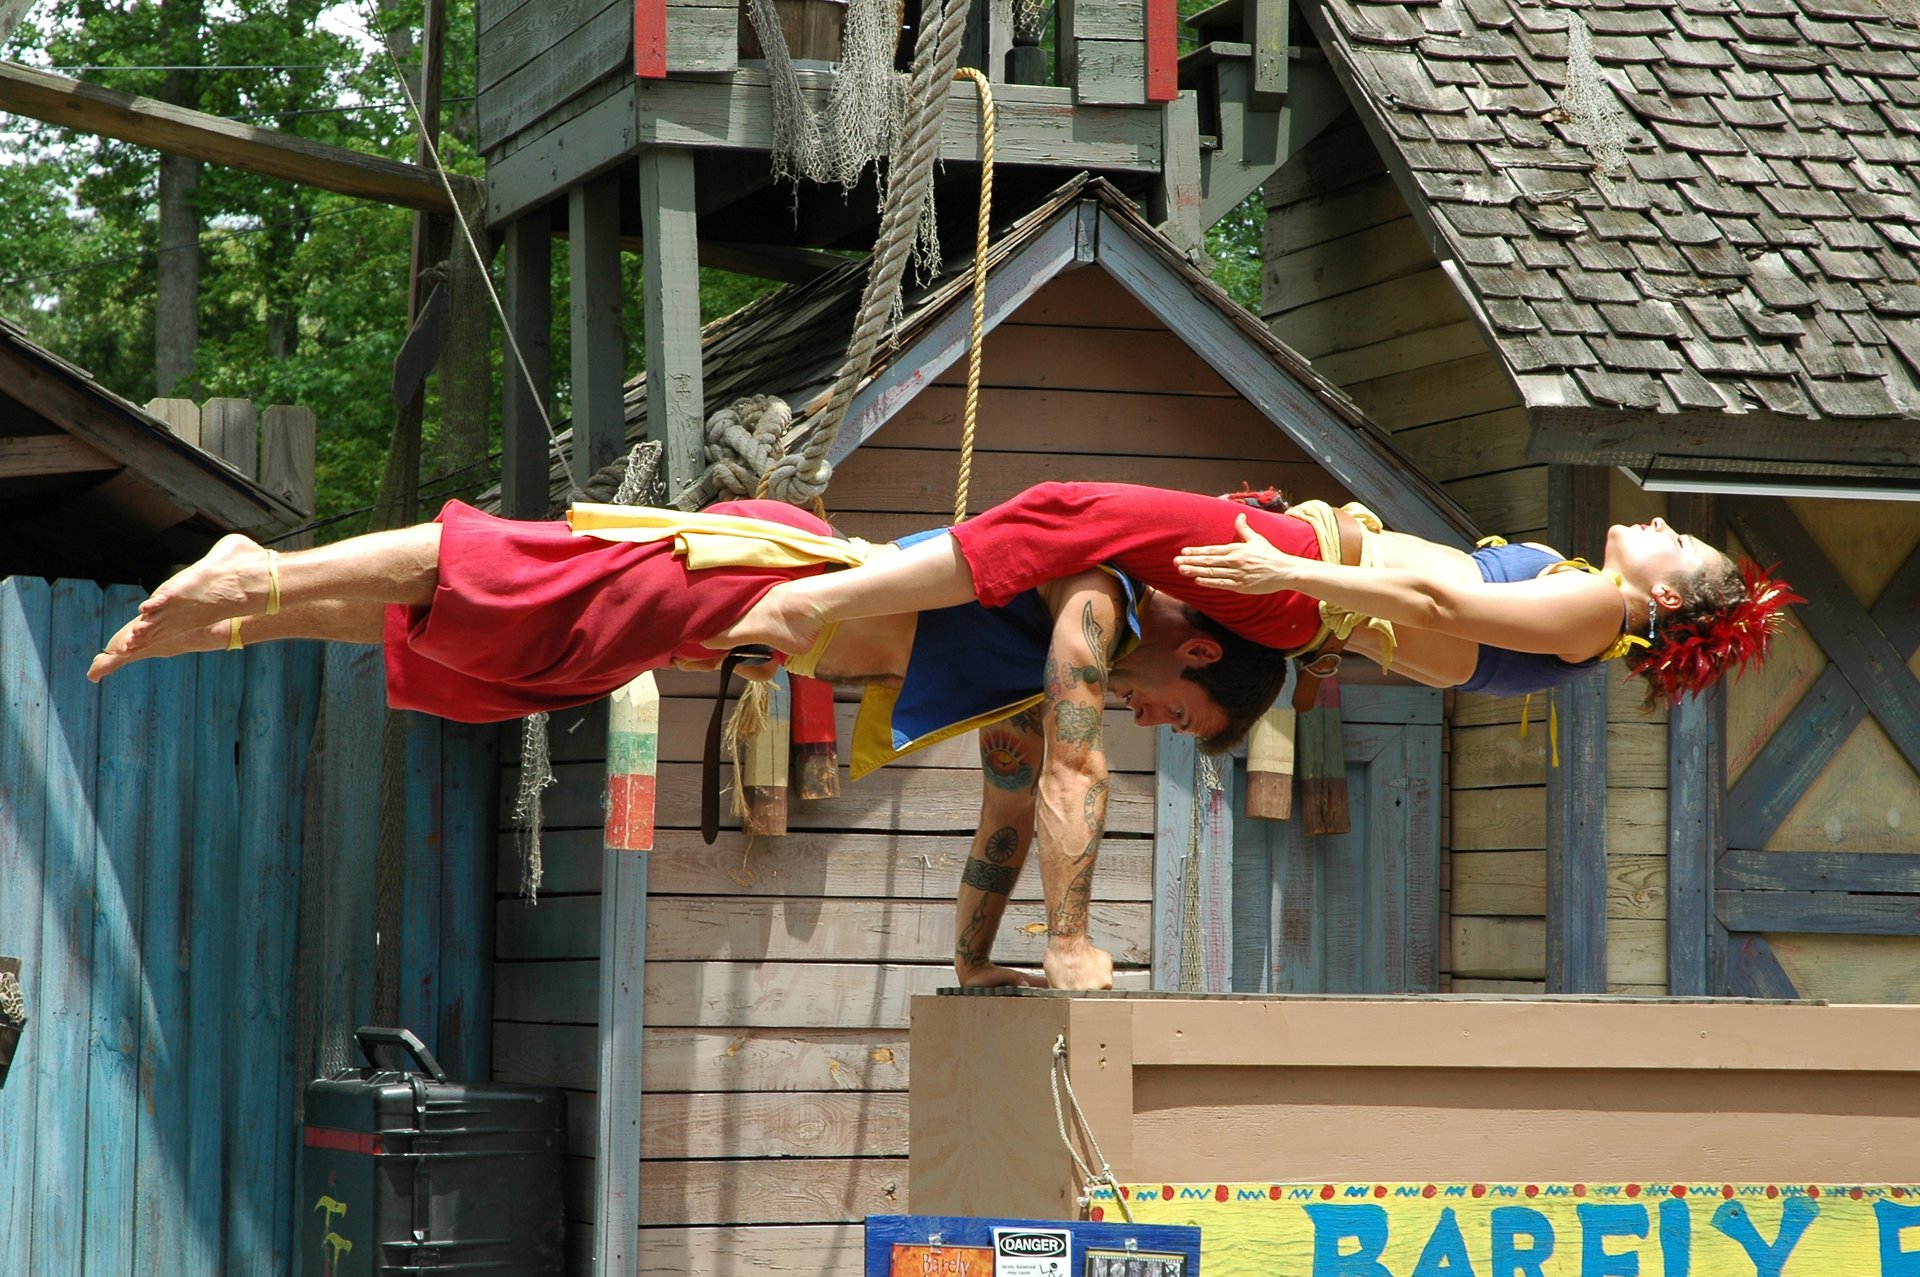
[(404, 1172)]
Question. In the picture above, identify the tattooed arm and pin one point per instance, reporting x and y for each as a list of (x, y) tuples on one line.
[(1072, 811), (1010, 754)]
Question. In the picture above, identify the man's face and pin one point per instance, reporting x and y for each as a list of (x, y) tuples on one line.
[(1149, 683)]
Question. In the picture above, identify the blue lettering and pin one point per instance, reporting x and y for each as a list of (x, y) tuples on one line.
[(1556, 1190), (1676, 1238), (1511, 1223), (1188, 1194), (1599, 1222), (1357, 1190), (1505, 1190), (1892, 1218), (1796, 1213), (1445, 1254), (1333, 1226)]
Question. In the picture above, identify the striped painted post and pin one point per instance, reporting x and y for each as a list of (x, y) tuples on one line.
[(25, 617), (1270, 753), (763, 764), (633, 761)]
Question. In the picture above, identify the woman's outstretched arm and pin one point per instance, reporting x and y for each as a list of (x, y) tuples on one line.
[(928, 574), (1569, 614)]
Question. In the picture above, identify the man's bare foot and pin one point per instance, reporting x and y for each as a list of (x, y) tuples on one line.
[(1076, 964), (991, 976), (118, 652), (230, 581)]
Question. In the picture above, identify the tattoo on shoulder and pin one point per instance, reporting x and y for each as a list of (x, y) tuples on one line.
[(995, 880)]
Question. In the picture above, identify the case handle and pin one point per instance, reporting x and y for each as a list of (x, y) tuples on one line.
[(369, 1037)]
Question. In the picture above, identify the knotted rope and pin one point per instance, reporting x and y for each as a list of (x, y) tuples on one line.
[(1057, 1077)]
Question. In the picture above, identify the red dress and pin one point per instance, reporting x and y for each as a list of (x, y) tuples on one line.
[(1057, 529), (528, 616)]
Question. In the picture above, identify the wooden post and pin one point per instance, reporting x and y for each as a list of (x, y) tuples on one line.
[(230, 430), (1696, 788), (633, 760), (1270, 755), (1176, 202), (763, 765), (675, 409), (524, 446), (288, 436), (1322, 764), (815, 736), (1577, 788), (599, 345)]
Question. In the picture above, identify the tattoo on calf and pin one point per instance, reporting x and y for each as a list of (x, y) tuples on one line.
[(995, 880), (1002, 843), (1006, 760), (967, 949)]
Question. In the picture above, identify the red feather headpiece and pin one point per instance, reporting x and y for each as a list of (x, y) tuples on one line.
[(1264, 499), (1693, 655)]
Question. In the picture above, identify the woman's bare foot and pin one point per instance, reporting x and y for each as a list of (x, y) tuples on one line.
[(119, 652), (230, 581)]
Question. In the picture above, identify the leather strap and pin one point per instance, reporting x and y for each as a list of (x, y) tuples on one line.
[(1310, 669), (710, 757)]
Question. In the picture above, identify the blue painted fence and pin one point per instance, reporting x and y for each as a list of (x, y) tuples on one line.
[(189, 868)]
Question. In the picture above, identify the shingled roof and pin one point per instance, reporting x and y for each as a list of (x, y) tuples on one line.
[(1690, 227)]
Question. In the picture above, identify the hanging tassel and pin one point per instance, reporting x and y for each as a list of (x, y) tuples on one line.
[(814, 738), (633, 762), (536, 773), (1270, 760), (757, 741), (1322, 764)]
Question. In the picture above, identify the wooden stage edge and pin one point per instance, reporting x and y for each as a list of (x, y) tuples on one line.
[(1223, 1089)]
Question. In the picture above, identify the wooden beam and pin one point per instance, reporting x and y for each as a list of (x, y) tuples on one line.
[(1577, 788), (1773, 533), (1696, 785), (528, 398), (1844, 871), (1824, 913), (161, 126), (599, 344), (1804, 742), (671, 278), (1619, 437), (1753, 971), (50, 454)]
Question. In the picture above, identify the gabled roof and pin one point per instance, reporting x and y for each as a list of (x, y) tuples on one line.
[(791, 343), (91, 485), (1741, 285)]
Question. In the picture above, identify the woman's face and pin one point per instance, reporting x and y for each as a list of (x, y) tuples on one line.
[(1650, 554)]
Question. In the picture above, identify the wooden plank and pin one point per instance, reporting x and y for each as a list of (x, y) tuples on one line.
[(161, 126), (1753, 971), (1420, 789), (1109, 72), (1330, 215), (676, 416), (470, 772), (1177, 203), (1577, 787), (732, 1060), (288, 438), (1499, 755), (162, 1213), (420, 885), (1514, 883), (26, 455), (1471, 386), (218, 1032), (943, 800), (527, 175), (1801, 746), (1257, 904), (1192, 921), (900, 478), (276, 716), (618, 1186), (528, 367), (1508, 819), (57, 1034), (823, 1191), (1878, 671), (1266, 29), (230, 430), (1440, 344), (799, 929), (182, 416), (1410, 304), (777, 1124), (525, 33), (1276, 392), (1362, 258), (796, 1250), (1018, 419), (700, 39), (598, 48), (1696, 786), (599, 345), (1821, 912), (1818, 871), (1499, 948), (127, 726)]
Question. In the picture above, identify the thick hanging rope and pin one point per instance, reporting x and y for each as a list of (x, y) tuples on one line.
[(1057, 1077), (982, 236)]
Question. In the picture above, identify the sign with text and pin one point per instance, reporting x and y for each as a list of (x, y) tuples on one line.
[(1539, 1230)]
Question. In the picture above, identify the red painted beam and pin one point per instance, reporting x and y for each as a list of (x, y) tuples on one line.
[(650, 39), (1163, 52)]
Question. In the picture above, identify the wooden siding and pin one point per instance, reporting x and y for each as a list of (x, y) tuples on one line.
[(189, 876), (779, 974)]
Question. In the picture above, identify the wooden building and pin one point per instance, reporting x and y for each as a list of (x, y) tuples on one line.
[(1588, 264)]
